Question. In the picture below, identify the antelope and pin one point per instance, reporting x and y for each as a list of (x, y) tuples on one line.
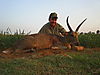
[(45, 41)]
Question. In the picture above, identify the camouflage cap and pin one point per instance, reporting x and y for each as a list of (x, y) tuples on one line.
[(53, 15)]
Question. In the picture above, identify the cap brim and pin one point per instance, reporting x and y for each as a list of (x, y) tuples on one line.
[(54, 17)]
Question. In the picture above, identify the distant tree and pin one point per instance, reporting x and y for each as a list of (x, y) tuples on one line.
[(81, 33), (97, 32), (91, 32)]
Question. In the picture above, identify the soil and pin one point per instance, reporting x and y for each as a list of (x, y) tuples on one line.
[(42, 53)]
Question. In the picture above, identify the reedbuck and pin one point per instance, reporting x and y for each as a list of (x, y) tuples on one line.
[(45, 41)]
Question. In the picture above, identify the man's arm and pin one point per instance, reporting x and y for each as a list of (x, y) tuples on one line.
[(42, 30), (62, 30)]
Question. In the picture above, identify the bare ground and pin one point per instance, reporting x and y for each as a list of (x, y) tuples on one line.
[(42, 53)]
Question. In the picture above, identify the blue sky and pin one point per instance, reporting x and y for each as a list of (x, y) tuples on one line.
[(31, 15)]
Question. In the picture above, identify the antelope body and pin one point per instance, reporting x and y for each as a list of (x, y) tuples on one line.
[(44, 41)]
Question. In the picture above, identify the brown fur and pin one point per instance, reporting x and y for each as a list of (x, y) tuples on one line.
[(38, 42)]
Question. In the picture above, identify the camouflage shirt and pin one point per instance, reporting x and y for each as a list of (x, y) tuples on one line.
[(57, 30)]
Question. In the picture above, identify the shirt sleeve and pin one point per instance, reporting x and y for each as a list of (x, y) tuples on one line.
[(62, 30), (45, 29), (42, 30)]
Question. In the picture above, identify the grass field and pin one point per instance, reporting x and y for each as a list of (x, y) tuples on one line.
[(74, 63), (85, 62)]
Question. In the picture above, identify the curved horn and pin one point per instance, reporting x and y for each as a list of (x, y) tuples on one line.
[(68, 25), (80, 25)]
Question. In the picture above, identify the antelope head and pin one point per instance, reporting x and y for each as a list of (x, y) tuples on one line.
[(72, 36)]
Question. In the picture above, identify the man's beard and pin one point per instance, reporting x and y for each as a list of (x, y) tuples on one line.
[(53, 24)]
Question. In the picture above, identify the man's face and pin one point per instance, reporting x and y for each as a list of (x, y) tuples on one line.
[(53, 21)]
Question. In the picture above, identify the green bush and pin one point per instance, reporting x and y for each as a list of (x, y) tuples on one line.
[(8, 40), (90, 40)]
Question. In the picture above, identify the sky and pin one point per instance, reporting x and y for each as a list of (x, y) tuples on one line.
[(31, 15)]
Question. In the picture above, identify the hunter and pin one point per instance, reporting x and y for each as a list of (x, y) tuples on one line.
[(52, 27)]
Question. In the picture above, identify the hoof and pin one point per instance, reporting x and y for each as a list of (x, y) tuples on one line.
[(6, 52), (78, 48)]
